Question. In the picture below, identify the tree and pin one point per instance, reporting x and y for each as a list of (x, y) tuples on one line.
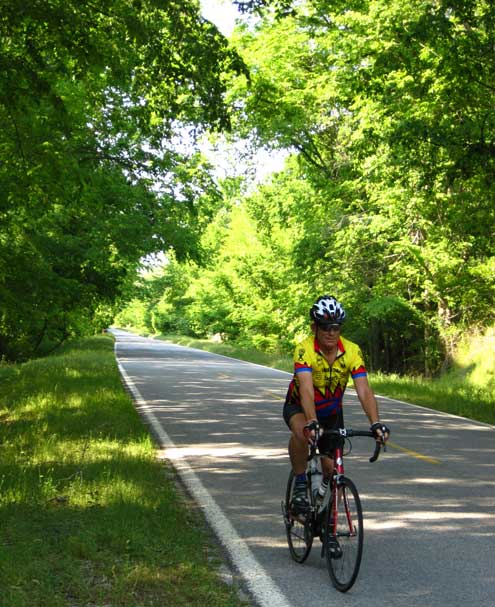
[(91, 99), (389, 107)]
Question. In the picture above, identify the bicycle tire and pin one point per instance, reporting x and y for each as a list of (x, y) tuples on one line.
[(299, 530), (343, 561)]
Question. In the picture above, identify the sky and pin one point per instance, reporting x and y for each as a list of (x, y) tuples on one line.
[(220, 12), (223, 14)]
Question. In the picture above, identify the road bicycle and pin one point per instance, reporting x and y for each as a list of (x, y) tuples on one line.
[(335, 514)]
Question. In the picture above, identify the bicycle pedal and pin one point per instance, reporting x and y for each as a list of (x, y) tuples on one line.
[(334, 548)]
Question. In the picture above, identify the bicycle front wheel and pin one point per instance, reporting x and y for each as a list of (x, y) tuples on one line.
[(344, 537), (298, 527)]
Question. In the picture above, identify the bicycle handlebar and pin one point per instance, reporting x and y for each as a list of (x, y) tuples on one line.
[(348, 433)]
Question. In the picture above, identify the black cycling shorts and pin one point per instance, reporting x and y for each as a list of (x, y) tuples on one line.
[(326, 444)]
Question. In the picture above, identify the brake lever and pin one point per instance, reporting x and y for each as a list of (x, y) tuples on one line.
[(376, 454)]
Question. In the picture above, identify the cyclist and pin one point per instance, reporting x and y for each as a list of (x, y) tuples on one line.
[(323, 363)]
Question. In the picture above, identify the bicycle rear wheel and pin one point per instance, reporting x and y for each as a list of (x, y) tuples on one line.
[(344, 541), (298, 527)]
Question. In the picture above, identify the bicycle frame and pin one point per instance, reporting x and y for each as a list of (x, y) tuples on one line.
[(333, 491), (331, 496)]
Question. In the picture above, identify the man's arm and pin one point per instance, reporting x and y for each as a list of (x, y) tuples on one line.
[(367, 399), (370, 406), (307, 393)]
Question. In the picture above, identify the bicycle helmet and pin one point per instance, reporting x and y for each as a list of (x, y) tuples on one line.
[(327, 308)]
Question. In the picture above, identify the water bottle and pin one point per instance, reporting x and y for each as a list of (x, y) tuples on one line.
[(316, 478)]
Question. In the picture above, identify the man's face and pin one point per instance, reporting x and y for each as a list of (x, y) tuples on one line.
[(327, 334)]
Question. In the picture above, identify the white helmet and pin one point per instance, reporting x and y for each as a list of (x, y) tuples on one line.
[(327, 308)]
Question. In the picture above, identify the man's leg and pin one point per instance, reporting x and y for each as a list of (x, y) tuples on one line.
[(298, 451), (327, 466), (298, 444)]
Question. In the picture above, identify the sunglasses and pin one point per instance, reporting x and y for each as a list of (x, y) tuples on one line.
[(329, 326)]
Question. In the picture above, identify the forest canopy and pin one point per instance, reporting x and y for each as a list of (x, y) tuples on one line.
[(386, 200)]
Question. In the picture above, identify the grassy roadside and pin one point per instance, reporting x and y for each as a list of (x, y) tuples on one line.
[(455, 393), (88, 516), (445, 394)]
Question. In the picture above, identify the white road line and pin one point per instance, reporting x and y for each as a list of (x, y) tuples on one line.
[(261, 586)]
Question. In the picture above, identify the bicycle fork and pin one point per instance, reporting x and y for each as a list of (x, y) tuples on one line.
[(336, 493)]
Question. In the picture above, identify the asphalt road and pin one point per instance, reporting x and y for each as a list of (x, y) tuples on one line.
[(429, 502)]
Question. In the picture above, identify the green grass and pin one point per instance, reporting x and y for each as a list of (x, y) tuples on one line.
[(88, 516), (468, 389), (443, 394)]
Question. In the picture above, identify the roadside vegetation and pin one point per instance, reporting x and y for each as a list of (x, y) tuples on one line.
[(466, 388), (88, 516)]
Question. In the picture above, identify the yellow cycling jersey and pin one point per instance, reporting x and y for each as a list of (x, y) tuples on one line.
[(329, 381)]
